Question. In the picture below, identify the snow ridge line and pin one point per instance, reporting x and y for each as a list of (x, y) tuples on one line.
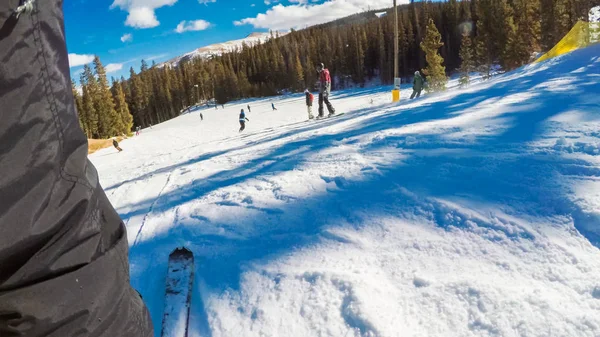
[(139, 233)]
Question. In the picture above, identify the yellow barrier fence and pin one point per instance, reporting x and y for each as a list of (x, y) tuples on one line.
[(582, 35)]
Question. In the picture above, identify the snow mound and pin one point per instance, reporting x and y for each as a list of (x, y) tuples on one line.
[(473, 212), (595, 14)]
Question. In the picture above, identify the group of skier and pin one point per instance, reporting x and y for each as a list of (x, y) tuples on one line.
[(324, 92)]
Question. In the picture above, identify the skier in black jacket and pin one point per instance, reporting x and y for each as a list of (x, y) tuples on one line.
[(64, 267), (243, 120), (116, 145)]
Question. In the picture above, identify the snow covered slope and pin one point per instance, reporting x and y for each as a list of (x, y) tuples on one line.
[(469, 213), (224, 47), (595, 14)]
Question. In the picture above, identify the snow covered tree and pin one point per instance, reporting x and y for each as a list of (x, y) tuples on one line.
[(435, 70)]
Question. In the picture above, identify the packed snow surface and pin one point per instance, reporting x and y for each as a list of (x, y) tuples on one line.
[(475, 212)]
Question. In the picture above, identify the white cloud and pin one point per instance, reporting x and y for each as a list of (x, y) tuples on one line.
[(253, 5), (156, 57), (187, 26), (204, 2), (113, 67), (127, 38), (76, 60), (282, 17), (141, 12)]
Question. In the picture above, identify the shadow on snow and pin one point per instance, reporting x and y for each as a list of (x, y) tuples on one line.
[(492, 169)]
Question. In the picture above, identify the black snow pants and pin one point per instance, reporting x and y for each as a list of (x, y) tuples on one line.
[(416, 93), (242, 125), (324, 98), (64, 268)]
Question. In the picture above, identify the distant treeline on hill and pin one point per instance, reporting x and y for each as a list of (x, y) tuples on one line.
[(355, 49)]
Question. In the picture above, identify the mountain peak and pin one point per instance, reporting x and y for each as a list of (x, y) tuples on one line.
[(256, 34)]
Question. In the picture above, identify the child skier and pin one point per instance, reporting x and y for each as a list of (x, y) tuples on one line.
[(273, 106), (309, 102), (243, 120)]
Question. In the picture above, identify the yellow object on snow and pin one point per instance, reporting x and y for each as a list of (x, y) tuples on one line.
[(395, 95), (582, 35)]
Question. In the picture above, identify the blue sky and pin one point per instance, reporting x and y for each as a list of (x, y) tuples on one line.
[(123, 32)]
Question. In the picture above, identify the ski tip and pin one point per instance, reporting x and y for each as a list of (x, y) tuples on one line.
[(181, 251)]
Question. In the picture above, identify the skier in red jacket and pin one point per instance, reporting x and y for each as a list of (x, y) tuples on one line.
[(324, 90)]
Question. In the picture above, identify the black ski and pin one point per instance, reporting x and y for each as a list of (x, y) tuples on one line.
[(178, 297)]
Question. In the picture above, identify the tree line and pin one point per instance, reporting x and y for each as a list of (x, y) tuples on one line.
[(435, 37)]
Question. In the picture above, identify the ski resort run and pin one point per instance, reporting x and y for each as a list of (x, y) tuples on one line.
[(473, 212)]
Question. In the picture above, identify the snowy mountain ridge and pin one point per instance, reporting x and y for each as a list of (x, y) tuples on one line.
[(223, 47)]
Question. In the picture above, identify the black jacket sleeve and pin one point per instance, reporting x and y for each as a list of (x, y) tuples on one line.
[(64, 267)]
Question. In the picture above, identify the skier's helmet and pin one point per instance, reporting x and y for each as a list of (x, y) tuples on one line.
[(320, 67), (306, 91), (417, 73)]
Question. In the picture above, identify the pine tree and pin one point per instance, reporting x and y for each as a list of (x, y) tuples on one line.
[(483, 41), (383, 67), (89, 92), (88, 106), (122, 109), (435, 71), (109, 122), (298, 74), (81, 113), (515, 50), (466, 55), (137, 98)]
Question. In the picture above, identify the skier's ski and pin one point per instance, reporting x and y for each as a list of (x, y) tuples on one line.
[(180, 279), (329, 116)]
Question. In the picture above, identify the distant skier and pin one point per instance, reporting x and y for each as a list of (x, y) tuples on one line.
[(324, 90), (273, 106), (223, 106), (309, 103), (418, 82), (201, 117), (216, 107), (249, 108), (243, 120), (116, 145), (137, 130)]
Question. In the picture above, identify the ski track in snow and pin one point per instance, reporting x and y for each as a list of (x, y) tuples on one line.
[(473, 212)]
